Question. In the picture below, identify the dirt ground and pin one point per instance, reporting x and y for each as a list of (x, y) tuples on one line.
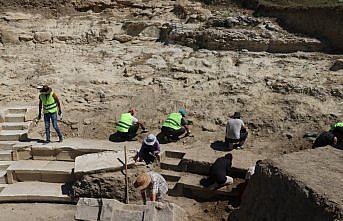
[(37, 212), (102, 58)]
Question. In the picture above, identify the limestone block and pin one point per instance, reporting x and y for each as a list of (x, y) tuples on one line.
[(42, 37), (24, 154), (151, 31), (103, 161), (67, 155), (31, 113), (8, 37), (25, 37), (156, 211)]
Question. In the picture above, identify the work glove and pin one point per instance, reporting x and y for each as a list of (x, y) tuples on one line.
[(60, 115)]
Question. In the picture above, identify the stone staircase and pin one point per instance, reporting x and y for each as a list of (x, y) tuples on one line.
[(22, 178), (15, 123), (186, 183)]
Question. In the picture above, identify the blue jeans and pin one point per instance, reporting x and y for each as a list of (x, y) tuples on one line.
[(53, 117)]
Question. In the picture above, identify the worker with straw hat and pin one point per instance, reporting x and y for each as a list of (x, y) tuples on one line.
[(152, 186)]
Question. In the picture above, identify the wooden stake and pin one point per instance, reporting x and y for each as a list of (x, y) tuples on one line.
[(126, 179)]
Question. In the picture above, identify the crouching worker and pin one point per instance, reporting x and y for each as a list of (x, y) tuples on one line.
[(149, 150), (218, 176), (236, 132), (175, 125), (152, 186), (334, 137), (128, 126)]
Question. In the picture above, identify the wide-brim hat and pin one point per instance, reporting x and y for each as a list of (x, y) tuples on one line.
[(142, 182), (150, 140)]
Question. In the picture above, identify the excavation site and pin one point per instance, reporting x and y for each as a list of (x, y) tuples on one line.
[(171, 110)]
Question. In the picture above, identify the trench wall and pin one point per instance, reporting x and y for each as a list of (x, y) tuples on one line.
[(297, 187)]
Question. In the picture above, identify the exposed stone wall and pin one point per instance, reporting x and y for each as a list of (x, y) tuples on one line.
[(300, 186)]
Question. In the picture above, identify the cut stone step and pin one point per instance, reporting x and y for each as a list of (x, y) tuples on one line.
[(40, 170), (3, 179), (7, 145), (5, 164), (35, 192), (15, 125), (5, 155), (170, 176), (171, 164), (13, 135), (17, 110), (2, 186), (15, 118)]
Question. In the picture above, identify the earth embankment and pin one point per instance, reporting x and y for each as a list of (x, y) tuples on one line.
[(299, 186), (320, 19)]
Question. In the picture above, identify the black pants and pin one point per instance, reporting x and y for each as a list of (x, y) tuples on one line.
[(172, 133), (242, 137), (130, 134), (148, 156)]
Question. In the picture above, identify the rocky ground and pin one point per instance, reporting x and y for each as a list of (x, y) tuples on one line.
[(103, 57)]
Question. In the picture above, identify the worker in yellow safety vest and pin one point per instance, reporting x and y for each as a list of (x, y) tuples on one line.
[(175, 125), (128, 125), (51, 105)]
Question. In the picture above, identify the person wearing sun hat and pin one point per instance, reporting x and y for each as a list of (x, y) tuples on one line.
[(152, 186), (51, 105), (175, 125), (149, 150)]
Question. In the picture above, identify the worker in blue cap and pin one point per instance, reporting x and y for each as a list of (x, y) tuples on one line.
[(175, 125)]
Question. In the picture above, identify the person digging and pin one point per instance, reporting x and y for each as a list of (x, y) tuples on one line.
[(219, 173), (149, 150), (152, 186), (128, 126), (51, 105), (175, 126)]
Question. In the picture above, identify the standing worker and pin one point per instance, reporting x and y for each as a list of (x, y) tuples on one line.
[(51, 106), (236, 132), (175, 126), (128, 126)]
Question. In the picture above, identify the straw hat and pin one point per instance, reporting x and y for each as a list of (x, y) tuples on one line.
[(150, 140), (143, 181)]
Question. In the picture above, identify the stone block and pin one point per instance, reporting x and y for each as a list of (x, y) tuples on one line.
[(31, 113), (103, 161), (42, 37), (24, 154), (67, 155)]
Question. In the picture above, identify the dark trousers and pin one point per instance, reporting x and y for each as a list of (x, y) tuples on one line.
[(53, 117), (171, 133), (242, 137), (130, 134), (148, 156)]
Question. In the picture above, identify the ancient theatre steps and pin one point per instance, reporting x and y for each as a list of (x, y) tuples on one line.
[(16, 123), (34, 192)]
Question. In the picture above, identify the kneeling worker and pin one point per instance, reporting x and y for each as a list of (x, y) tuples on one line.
[(236, 132), (152, 186), (218, 176), (175, 125), (149, 150), (128, 125)]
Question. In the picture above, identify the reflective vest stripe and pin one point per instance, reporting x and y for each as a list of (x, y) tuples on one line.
[(124, 123), (49, 103), (172, 121)]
